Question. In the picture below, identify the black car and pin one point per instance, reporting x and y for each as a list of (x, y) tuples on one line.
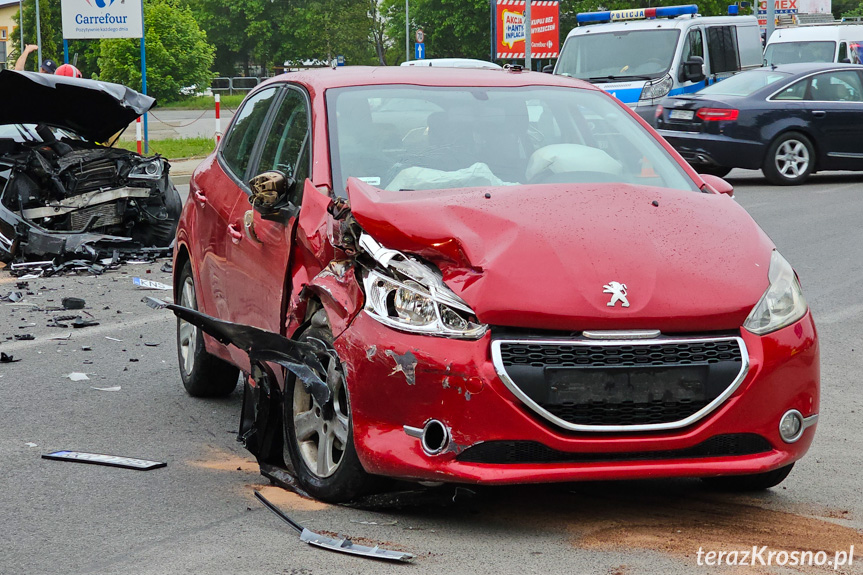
[(62, 194), (789, 121)]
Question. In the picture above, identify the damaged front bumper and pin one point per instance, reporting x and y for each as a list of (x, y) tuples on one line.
[(400, 383)]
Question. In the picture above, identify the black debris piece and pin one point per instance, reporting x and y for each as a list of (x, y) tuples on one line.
[(151, 344), (24, 336), (73, 303), (22, 285), (133, 359), (4, 358), (81, 322)]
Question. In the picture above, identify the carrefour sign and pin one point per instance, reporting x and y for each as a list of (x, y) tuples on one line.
[(102, 19)]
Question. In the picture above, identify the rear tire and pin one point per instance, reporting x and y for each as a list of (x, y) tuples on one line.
[(203, 374), (322, 449), (743, 483), (790, 160)]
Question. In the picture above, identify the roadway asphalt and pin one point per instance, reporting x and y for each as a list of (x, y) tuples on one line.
[(198, 514)]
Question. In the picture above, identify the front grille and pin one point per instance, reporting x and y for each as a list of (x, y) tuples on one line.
[(514, 452), (95, 175), (586, 385), (626, 355)]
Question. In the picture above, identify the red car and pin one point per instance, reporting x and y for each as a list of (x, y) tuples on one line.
[(485, 276)]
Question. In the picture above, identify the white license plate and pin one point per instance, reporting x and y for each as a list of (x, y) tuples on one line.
[(681, 114)]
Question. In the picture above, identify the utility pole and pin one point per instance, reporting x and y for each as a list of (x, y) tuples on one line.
[(21, 24), (38, 37), (771, 18), (407, 32), (527, 34)]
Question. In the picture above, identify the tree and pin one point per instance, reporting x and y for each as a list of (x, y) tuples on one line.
[(178, 54), (852, 11), (327, 28)]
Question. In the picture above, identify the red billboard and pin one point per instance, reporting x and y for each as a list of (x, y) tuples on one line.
[(544, 29)]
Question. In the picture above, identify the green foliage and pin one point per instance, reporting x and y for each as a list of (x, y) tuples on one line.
[(174, 148), (178, 53), (852, 11)]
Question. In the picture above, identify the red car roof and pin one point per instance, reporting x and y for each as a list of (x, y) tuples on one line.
[(325, 78)]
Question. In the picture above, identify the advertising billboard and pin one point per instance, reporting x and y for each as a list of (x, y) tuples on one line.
[(793, 7), (84, 19), (510, 28)]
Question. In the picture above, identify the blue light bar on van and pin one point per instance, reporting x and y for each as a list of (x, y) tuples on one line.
[(636, 14)]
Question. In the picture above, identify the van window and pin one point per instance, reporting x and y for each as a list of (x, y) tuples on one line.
[(794, 52), (843, 51), (693, 46), (856, 53), (722, 48), (749, 44)]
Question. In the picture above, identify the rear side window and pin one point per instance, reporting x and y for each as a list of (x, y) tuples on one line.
[(240, 141), (749, 45), (842, 86), (722, 48)]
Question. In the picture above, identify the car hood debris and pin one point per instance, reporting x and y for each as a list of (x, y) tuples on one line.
[(93, 109), (519, 261)]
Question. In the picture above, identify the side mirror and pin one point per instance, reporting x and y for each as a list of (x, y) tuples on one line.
[(693, 69), (717, 184), (270, 192), (548, 69), (845, 61)]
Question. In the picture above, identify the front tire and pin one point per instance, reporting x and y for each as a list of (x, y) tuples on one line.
[(743, 483), (321, 448), (718, 171), (790, 160), (203, 374)]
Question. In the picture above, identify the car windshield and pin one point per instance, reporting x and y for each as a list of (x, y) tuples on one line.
[(794, 52), (618, 55), (412, 138), (744, 84)]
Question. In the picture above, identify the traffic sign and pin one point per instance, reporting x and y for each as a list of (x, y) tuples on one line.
[(340, 60), (419, 51), (420, 36)]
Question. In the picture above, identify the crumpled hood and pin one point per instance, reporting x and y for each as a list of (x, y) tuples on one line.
[(540, 256), (93, 109)]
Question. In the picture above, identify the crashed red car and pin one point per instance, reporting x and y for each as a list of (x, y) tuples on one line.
[(483, 276)]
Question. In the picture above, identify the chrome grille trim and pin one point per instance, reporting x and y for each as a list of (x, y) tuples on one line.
[(497, 361)]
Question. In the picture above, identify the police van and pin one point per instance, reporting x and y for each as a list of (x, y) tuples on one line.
[(643, 55), (816, 43)]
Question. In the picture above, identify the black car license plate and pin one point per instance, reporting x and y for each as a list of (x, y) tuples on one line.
[(618, 385)]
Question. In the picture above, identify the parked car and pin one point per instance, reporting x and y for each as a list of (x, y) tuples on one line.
[(816, 43), (788, 121), (523, 283), (641, 55), (62, 194)]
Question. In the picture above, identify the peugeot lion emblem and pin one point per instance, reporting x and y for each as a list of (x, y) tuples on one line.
[(618, 293)]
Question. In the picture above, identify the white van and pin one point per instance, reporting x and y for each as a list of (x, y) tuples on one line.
[(815, 43), (640, 56)]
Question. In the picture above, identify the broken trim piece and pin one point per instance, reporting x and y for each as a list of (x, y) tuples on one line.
[(343, 545), (261, 346)]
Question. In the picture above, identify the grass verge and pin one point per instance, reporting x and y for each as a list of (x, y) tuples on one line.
[(201, 103), (175, 148)]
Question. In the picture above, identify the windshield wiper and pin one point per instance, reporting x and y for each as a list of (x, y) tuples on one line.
[(613, 77)]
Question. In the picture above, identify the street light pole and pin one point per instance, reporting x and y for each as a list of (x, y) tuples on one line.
[(38, 37), (407, 33), (527, 34), (21, 24)]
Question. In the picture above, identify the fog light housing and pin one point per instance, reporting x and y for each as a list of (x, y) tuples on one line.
[(791, 426)]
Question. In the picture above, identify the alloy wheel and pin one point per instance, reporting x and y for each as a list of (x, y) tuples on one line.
[(188, 332), (792, 159), (322, 441)]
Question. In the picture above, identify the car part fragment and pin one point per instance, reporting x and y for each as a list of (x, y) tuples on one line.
[(108, 460), (261, 346), (343, 545)]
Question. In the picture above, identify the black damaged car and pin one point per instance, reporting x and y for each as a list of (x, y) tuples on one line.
[(65, 196)]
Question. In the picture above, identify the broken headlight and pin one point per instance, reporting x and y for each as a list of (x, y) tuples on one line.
[(411, 296), (783, 302), (148, 170)]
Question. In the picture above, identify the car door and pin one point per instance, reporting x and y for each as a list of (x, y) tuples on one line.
[(259, 256), (835, 104), (722, 53), (215, 190)]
